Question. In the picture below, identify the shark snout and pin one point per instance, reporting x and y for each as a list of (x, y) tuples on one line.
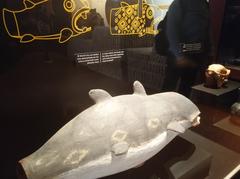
[(182, 125), (196, 121)]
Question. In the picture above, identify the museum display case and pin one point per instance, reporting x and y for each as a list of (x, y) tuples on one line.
[(82, 94)]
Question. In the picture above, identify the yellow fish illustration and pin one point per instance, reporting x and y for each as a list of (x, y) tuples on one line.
[(135, 19), (47, 20)]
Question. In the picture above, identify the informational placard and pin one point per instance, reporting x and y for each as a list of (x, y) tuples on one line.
[(112, 37), (93, 31), (99, 57)]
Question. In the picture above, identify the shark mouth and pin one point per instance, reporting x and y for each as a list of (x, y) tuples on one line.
[(80, 21), (181, 126), (196, 121), (84, 29)]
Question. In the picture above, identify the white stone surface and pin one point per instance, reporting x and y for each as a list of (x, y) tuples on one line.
[(115, 134)]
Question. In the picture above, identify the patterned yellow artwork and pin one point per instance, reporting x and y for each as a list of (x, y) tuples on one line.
[(13, 22), (135, 19)]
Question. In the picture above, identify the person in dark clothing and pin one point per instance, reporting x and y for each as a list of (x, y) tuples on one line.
[(187, 31)]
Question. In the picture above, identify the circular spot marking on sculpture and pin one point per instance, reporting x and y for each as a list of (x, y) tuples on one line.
[(153, 123), (52, 161), (47, 159), (75, 157), (39, 162), (119, 135)]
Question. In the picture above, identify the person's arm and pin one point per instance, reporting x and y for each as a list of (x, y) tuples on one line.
[(174, 21)]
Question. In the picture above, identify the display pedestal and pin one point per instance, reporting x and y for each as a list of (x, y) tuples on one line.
[(223, 96), (235, 120), (180, 159), (209, 99)]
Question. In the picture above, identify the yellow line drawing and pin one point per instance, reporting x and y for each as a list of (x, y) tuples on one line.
[(135, 19), (13, 27)]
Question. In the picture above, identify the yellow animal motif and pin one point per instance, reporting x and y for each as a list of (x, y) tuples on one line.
[(13, 22), (136, 19)]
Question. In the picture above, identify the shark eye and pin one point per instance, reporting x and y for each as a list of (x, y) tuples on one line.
[(69, 5)]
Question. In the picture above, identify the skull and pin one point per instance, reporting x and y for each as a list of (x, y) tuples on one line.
[(216, 76)]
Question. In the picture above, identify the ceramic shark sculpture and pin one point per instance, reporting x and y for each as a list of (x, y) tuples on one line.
[(114, 135)]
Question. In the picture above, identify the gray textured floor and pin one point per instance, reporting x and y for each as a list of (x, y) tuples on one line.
[(224, 160)]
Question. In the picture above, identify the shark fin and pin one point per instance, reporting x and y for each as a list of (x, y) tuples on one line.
[(120, 148), (138, 88), (27, 38), (28, 4), (175, 126), (98, 95), (65, 35)]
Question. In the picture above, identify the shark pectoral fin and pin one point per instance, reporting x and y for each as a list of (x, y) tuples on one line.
[(28, 4), (27, 38), (98, 95), (138, 88), (120, 148), (65, 35), (175, 126)]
